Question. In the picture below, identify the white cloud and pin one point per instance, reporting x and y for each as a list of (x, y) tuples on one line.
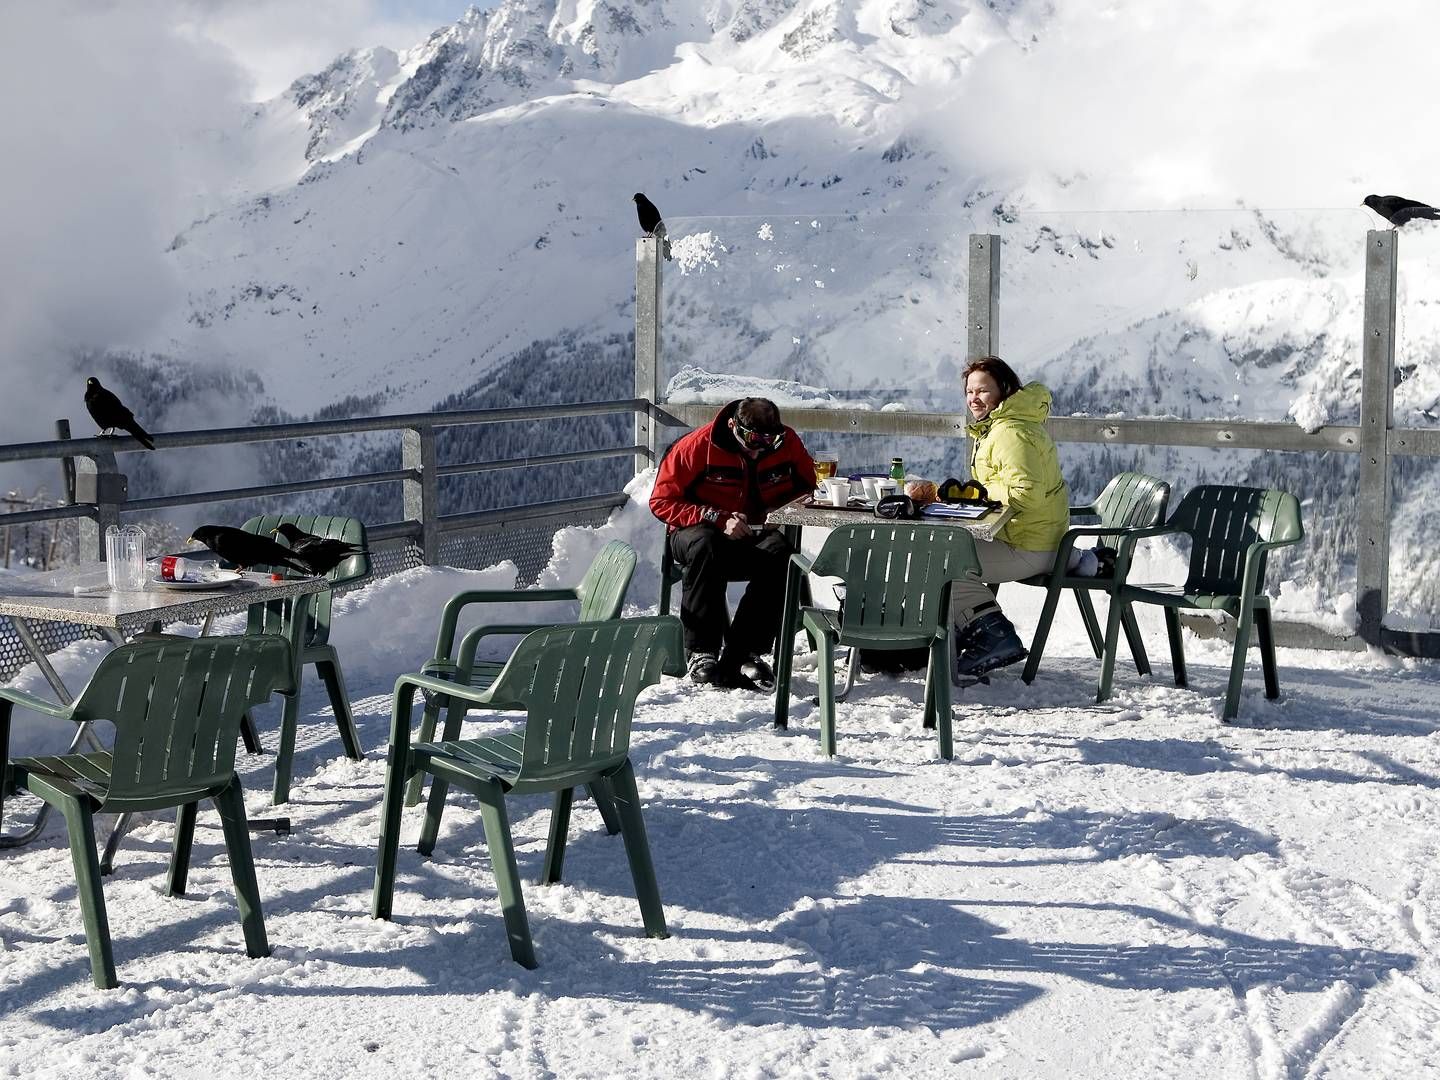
[(1200, 102)]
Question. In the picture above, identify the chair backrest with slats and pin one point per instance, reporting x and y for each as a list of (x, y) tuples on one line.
[(1223, 523), (578, 685), (602, 589), (176, 705), (1131, 500), (896, 573), (270, 618)]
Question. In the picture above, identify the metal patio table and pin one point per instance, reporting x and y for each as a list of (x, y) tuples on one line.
[(78, 595), (802, 512)]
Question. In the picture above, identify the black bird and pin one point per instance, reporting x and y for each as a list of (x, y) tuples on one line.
[(244, 550), (650, 221), (321, 554), (1397, 210), (110, 413)]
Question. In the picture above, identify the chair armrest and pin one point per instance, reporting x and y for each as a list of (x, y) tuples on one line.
[(470, 643), (1126, 549), (446, 687), (35, 704), (804, 562), (445, 641)]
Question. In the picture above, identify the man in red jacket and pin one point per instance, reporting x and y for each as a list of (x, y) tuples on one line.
[(714, 489)]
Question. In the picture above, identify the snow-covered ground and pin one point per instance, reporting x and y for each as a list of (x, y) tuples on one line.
[(1128, 890)]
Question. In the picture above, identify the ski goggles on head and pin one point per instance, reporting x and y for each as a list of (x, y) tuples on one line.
[(752, 439)]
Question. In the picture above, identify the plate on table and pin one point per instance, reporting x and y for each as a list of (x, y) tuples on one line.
[(223, 579)]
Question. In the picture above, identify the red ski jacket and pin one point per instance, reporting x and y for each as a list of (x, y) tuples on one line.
[(705, 476)]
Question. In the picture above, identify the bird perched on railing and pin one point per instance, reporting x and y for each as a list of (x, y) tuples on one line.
[(244, 550), (1397, 210), (651, 222), (110, 413), (322, 554)]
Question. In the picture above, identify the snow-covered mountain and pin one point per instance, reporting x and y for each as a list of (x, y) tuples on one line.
[(449, 207)]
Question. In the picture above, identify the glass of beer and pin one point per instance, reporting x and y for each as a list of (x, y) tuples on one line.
[(827, 464)]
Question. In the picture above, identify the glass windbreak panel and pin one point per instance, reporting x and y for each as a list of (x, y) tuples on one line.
[(1196, 314), (1414, 556), (856, 311)]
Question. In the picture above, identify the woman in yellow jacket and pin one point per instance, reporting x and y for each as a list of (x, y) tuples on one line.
[(1016, 461)]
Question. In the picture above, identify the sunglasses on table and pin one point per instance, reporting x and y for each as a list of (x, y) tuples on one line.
[(757, 440)]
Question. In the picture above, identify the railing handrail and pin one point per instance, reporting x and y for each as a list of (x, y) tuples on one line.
[(175, 440)]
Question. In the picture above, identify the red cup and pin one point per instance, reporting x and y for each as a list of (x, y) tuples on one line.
[(172, 568)]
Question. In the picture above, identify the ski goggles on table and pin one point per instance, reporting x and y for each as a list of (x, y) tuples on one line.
[(758, 440)]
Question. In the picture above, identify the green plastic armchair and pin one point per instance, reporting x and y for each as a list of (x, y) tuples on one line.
[(275, 618), (601, 593), (1129, 501), (1231, 531), (176, 706), (577, 686), (897, 596)]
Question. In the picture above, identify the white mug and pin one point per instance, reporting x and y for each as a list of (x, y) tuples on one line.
[(872, 488)]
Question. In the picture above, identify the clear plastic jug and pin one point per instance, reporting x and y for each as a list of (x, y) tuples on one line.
[(125, 558)]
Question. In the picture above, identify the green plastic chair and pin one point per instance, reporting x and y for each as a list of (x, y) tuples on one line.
[(897, 596), (1231, 531), (1130, 500), (274, 618), (601, 593), (176, 706), (577, 685)]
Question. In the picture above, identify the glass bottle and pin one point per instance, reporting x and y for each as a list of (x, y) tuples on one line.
[(897, 470)]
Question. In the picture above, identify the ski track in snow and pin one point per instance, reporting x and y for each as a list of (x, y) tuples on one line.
[(1129, 889)]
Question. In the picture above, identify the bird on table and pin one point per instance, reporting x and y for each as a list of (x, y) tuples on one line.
[(245, 550), (1397, 210), (110, 413), (650, 221), (322, 554)]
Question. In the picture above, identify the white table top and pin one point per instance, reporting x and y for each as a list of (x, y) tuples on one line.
[(52, 596), (829, 517)]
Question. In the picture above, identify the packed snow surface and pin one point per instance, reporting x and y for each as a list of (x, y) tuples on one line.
[(1124, 890)]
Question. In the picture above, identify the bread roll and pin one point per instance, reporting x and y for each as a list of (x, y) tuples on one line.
[(922, 491)]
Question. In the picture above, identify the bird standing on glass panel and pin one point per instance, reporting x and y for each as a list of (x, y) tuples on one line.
[(651, 222), (110, 413), (1397, 210)]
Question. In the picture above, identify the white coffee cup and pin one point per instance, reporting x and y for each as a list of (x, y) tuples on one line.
[(872, 488), (884, 485), (837, 490)]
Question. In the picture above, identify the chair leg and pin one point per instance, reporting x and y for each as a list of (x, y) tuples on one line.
[(81, 826), (939, 678), (852, 668), (112, 843), (1237, 664), (1091, 621), (249, 735), (927, 714), (507, 874), (559, 829), (1042, 631), (1136, 642), (428, 719), (231, 804), (391, 803), (1266, 633), (285, 756), (825, 671), (180, 849), (434, 810), (605, 803), (334, 680), (1112, 646), (637, 850), (1177, 646)]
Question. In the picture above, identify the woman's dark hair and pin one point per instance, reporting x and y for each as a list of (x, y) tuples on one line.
[(1003, 374)]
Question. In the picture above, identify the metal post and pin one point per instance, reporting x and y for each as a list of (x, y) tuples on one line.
[(647, 343), (99, 482), (422, 503), (983, 338), (1377, 398)]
